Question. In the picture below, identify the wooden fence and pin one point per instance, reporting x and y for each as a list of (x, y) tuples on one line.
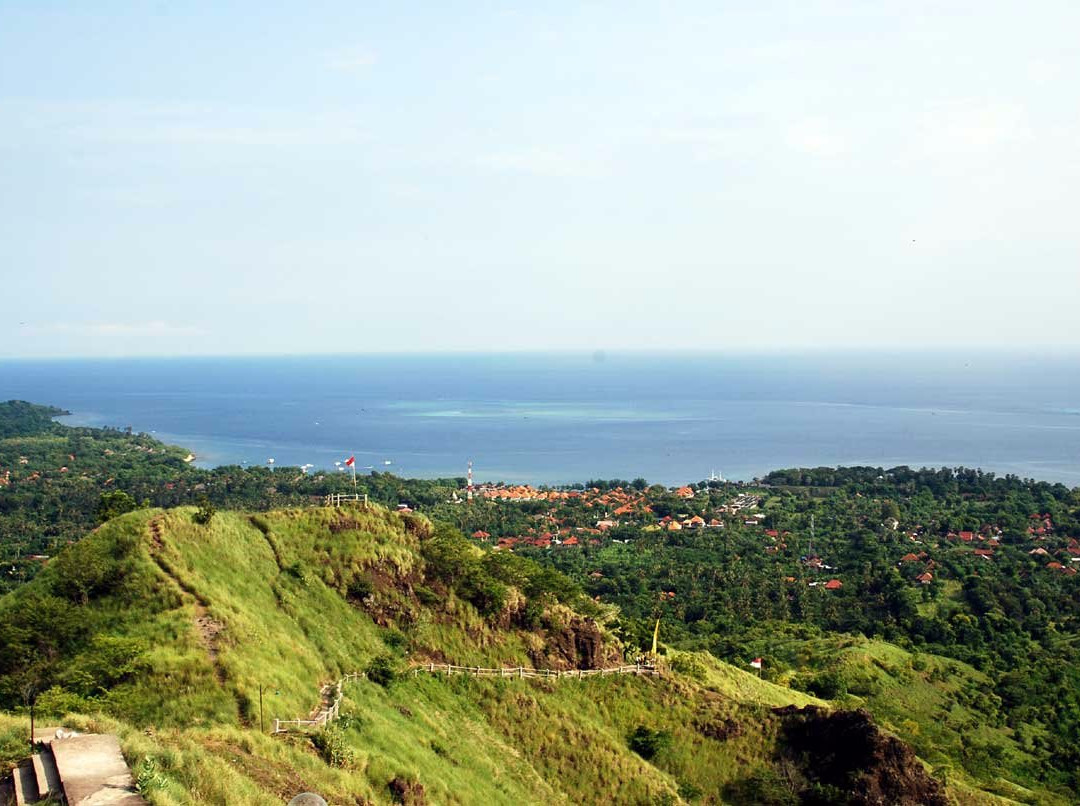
[(523, 672), (323, 717), (328, 715), (337, 499)]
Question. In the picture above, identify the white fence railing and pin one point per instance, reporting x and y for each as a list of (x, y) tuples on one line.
[(328, 715), (524, 672), (337, 499), (323, 717)]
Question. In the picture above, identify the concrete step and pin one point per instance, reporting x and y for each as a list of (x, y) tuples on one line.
[(39, 776), (26, 790), (48, 777), (93, 771)]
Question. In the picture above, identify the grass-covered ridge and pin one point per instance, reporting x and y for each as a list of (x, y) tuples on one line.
[(163, 629)]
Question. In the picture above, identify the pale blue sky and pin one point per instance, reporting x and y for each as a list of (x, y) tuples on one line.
[(319, 177)]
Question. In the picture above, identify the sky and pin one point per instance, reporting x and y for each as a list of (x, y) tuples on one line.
[(234, 178)]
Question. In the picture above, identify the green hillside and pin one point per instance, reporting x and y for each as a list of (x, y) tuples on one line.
[(162, 630)]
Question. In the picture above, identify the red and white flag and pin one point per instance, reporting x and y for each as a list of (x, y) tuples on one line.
[(756, 663), (350, 461)]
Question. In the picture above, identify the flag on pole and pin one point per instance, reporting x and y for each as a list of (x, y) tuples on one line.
[(350, 461), (756, 663)]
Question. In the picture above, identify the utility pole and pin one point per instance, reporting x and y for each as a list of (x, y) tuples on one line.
[(262, 728), (811, 535), (30, 698)]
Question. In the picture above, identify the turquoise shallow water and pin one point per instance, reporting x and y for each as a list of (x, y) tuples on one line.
[(563, 418)]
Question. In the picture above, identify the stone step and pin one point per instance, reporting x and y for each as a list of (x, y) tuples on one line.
[(26, 790)]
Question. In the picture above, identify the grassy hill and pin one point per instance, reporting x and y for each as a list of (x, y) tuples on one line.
[(165, 630)]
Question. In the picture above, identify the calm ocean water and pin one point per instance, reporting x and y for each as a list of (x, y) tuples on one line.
[(564, 418)]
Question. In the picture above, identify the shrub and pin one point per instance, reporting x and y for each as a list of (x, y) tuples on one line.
[(14, 745), (647, 742), (765, 788), (689, 791), (427, 596), (829, 685), (395, 639), (349, 721), (332, 747), (382, 670), (112, 504), (58, 701), (148, 777), (360, 589), (689, 665), (85, 569), (205, 513)]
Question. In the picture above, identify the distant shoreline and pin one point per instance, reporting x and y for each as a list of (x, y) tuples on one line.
[(564, 419)]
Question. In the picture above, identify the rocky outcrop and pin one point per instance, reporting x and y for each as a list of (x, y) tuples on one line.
[(576, 644), (845, 750), (407, 791)]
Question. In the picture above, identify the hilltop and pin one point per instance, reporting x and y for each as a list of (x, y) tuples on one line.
[(163, 629), (952, 620)]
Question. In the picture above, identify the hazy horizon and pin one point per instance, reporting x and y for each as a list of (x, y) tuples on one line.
[(784, 176)]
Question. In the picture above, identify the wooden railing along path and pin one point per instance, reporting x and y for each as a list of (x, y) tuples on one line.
[(523, 672), (327, 715), (337, 499)]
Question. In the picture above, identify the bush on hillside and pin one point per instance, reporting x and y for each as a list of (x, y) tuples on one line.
[(647, 742), (689, 665), (395, 639), (382, 670), (427, 596), (13, 745), (332, 746), (148, 778), (113, 504), (359, 589), (59, 701), (829, 685), (485, 580), (766, 788), (89, 568), (107, 661), (205, 513)]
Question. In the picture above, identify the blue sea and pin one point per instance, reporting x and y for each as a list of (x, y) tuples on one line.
[(571, 417)]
